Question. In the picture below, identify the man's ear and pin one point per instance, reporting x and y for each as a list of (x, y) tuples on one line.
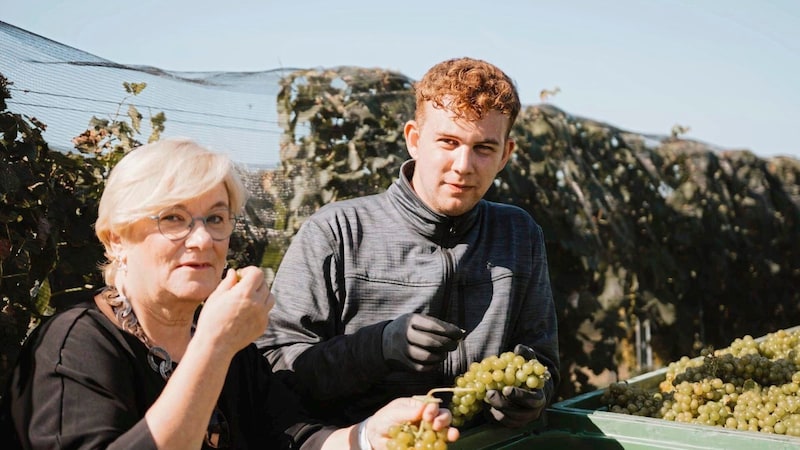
[(411, 133), (507, 151)]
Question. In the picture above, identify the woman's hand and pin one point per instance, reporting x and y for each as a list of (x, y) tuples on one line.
[(236, 313), (403, 410)]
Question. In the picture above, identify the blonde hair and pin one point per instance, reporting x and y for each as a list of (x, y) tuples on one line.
[(158, 175), (468, 87)]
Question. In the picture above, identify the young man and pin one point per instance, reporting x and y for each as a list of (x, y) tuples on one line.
[(397, 293)]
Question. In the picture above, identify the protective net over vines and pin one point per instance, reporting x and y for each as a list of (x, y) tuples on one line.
[(64, 87)]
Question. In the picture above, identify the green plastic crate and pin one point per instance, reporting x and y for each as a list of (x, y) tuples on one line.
[(497, 438), (492, 436), (560, 439), (586, 414), (542, 436), (583, 422)]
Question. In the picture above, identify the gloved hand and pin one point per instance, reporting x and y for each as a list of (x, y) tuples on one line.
[(419, 342), (515, 407), (524, 351)]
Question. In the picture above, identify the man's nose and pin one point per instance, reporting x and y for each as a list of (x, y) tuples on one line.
[(462, 158)]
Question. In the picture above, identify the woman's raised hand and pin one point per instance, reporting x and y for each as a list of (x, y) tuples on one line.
[(236, 313)]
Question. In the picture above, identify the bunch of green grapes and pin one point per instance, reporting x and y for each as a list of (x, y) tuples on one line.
[(493, 372), (749, 385), (634, 400), (419, 436), (782, 344), (738, 369), (412, 436)]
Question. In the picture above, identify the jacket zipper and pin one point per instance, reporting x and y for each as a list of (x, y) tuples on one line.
[(451, 280), (449, 269)]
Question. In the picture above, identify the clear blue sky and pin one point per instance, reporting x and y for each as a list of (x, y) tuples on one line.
[(728, 69)]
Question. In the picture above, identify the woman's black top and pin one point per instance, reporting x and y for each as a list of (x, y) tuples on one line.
[(81, 382)]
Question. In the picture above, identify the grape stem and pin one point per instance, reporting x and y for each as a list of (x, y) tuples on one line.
[(429, 398)]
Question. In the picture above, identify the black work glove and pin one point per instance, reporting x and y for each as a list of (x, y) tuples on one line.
[(419, 342), (515, 407)]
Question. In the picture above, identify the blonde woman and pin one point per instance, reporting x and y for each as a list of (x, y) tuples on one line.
[(140, 364)]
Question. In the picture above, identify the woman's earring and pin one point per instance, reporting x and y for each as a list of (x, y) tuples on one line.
[(122, 266)]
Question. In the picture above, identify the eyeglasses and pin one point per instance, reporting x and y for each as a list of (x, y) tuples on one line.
[(218, 433), (176, 223)]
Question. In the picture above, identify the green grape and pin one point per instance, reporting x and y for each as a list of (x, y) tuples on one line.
[(493, 372), (420, 436)]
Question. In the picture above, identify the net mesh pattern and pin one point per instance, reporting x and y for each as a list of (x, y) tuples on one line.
[(63, 87)]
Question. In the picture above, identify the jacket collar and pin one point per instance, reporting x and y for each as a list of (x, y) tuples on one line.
[(420, 217)]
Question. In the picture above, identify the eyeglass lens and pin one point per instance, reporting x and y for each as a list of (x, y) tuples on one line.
[(176, 223)]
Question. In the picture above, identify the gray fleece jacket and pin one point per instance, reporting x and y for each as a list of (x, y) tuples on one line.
[(357, 264)]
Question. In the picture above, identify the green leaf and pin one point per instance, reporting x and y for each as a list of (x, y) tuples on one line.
[(136, 118), (95, 122), (41, 294), (134, 88)]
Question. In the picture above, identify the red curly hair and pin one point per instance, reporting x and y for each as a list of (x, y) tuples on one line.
[(468, 87)]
